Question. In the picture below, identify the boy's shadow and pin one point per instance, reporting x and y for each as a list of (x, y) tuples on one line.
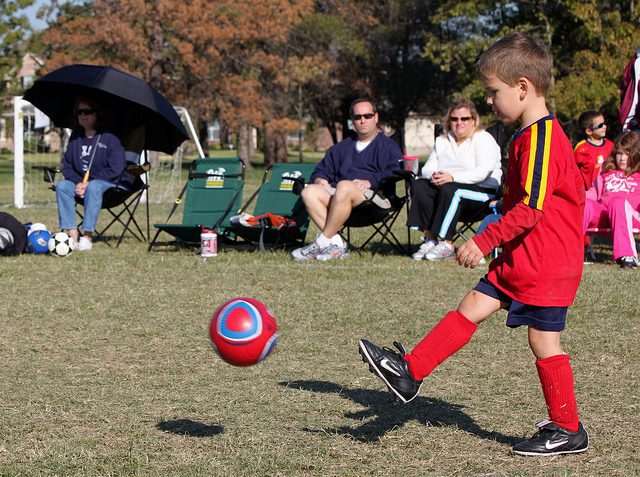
[(187, 427), (388, 415)]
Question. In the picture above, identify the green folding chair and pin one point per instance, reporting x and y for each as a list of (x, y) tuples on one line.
[(213, 194), (275, 195)]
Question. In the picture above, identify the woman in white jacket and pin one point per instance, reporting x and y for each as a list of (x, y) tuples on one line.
[(463, 172)]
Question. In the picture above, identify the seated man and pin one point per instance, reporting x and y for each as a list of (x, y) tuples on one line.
[(345, 178)]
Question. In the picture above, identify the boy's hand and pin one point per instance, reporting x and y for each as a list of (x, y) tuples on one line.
[(469, 254)]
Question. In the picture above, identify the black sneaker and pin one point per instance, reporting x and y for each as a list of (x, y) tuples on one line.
[(551, 439), (589, 256), (392, 368), (628, 262)]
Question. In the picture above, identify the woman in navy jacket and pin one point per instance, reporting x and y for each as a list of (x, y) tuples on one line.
[(93, 163)]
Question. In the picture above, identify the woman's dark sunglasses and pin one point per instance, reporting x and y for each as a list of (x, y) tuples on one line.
[(84, 111), (455, 119)]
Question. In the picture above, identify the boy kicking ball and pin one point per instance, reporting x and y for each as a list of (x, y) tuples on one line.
[(538, 273)]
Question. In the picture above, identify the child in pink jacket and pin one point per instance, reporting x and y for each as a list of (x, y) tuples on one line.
[(617, 205)]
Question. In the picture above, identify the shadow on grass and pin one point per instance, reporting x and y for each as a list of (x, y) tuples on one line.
[(187, 427), (377, 248), (387, 415)]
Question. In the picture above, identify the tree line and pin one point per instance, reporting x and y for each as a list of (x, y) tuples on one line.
[(269, 64)]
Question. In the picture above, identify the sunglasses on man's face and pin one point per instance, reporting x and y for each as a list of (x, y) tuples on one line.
[(84, 111), (598, 126), (455, 119), (358, 117)]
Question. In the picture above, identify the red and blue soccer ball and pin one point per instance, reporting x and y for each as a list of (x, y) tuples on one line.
[(243, 331)]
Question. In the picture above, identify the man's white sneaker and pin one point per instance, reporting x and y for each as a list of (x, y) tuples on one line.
[(332, 252), (442, 251), (424, 249), (308, 252), (84, 244)]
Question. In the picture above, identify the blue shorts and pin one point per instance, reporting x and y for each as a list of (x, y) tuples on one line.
[(545, 318)]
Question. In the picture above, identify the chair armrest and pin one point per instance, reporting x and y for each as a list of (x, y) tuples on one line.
[(138, 169), (391, 181), (404, 174), (48, 173), (298, 185)]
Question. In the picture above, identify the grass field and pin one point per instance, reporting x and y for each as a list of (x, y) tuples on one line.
[(107, 369)]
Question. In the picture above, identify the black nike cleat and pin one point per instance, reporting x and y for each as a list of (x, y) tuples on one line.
[(551, 439), (392, 368)]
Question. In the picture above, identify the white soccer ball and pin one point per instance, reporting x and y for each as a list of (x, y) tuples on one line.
[(61, 244)]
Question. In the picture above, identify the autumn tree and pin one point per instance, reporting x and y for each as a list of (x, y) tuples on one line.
[(590, 41), (14, 29), (207, 55), (334, 59), (404, 79), (264, 64), (262, 70)]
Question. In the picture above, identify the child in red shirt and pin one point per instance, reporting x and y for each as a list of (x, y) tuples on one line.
[(537, 275), (590, 155), (616, 204), (592, 151)]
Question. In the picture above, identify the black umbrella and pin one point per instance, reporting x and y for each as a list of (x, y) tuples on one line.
[(129, 102)]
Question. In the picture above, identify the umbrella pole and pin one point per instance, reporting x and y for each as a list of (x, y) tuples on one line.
[(85, 178)]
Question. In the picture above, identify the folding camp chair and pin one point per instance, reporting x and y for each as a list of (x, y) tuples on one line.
[(120, 202), (605, 233), (370, 214), (470, 219), (213, 193), (275, 196)]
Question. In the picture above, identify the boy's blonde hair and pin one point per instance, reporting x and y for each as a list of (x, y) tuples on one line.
[(518, 56)]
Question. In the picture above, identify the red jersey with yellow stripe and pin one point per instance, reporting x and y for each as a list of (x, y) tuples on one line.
[(541, 227), (590, 158)]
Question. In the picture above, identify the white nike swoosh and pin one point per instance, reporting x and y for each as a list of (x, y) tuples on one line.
[(549, 446), (386, 364)]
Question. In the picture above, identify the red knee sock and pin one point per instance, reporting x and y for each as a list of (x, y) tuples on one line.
[(556, 378), (452, 333)]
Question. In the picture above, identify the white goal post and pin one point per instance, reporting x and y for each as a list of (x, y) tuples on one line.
[(18, 152)]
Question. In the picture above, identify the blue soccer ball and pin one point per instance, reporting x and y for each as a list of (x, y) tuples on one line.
[(37, 242)]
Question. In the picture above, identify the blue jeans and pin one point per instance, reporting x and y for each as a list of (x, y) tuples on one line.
[(66, 195)]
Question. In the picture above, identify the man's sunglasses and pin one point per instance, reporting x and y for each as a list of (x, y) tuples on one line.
[(358, 117), (455, 119), (598, 126), (85, 111)]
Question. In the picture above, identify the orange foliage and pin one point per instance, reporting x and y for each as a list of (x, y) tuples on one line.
[(226, 56)]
